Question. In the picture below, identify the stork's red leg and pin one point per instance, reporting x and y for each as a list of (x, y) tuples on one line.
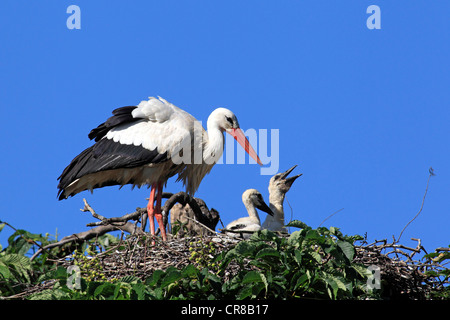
[(155, 211), (151, 210), (158, 213)]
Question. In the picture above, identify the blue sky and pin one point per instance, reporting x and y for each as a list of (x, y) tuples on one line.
[(363, 113)]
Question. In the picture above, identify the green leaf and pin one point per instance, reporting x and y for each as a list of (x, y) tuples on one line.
[(431, 273), (105, 289), (245, 292), (21, 241), (336, 231), (335, 283), (296, 238), (316, 256), (340, 283), (92, 287), (154, 278), (313, 235), (60, 274), (331, 284), (172, 276), (245, 248), (267, 252), (189, 271), (116, 292), (264, 280), (107, 240), (129, 279), (362, 270), (298, 224), (139, 288), (4, 272), (18, 263), (301, 280), (159, 294), (251, 276), (255, 277), (347, 248), (43, 295), (330, 294), (298, 256), (251, 291), (266, 234), (431, 255)]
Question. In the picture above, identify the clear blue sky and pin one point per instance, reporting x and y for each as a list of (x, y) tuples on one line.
[(364, 113)]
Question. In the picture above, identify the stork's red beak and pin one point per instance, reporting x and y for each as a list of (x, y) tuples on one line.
[(239, 135)]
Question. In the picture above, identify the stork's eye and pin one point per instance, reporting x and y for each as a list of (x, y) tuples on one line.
[(229, 120), (258, 197)]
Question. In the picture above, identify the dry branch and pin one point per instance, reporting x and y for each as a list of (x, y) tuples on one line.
[(106, 225), (431, 173)]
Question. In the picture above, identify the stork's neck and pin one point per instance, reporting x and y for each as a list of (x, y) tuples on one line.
[(276, 200), (252, 213), (213, 146)]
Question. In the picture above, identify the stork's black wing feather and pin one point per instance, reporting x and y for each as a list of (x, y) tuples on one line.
[(106, 154), (120, 116)]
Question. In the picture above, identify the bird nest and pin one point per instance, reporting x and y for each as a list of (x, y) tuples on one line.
[(404, 276), (140, 254)]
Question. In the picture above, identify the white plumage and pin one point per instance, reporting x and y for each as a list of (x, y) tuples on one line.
[(242, 227), (163, 127)]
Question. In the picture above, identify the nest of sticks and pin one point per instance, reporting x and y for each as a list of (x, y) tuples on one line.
[(140, 256), (402, 274)]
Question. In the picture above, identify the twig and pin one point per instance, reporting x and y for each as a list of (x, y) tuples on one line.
[(106, 225), (237, 231), (21, 235), (292, 212), (431, 173), (129, 216), (87, 207), (87, 235), (202, 225), (330, 216)]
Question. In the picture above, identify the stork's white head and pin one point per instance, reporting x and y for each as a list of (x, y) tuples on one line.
[(253, 197), (224, 120), (280, 184)]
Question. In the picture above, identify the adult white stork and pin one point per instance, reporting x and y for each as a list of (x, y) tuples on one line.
[(252, 200), (146, 145)]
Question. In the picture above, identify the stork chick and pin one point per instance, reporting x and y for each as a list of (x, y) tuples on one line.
[(252, 200), (279, 185), (183, 213)]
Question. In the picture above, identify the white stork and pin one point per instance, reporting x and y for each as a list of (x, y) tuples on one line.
[(146, 145), (252, 200), (279, 185)]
